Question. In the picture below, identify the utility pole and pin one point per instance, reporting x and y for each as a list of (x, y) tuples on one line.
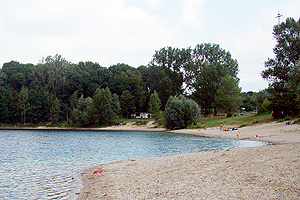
[(278, 16)]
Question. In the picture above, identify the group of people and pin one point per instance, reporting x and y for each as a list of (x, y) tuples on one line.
[(289, 123), (230, 129)]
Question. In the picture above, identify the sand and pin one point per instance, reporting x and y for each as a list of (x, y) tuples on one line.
[(268, 172)]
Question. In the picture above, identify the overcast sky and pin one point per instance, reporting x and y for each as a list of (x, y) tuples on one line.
[(129, 31)]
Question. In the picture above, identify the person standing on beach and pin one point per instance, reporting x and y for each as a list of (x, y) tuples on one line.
[(221, 127)]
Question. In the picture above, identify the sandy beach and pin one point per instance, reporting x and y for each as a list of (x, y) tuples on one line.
[(268, 172)]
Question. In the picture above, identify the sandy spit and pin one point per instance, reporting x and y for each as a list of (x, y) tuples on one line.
[(269, 172)]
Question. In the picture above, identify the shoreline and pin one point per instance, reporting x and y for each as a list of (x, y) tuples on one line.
[(128, 127), (256, 172)]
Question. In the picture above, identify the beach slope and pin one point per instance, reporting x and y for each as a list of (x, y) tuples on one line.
[(268, 172)]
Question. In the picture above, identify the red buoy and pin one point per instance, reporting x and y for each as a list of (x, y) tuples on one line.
[(98, 171)]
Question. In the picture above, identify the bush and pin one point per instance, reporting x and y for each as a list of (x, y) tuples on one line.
[(180, 112)]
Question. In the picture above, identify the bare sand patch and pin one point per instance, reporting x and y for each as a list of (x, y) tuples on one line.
[(131, 126), (269, 172)]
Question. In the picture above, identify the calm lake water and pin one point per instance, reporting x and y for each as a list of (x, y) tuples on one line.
[(44, 164)]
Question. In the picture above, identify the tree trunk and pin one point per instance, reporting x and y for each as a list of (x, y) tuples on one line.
[(215, 112)]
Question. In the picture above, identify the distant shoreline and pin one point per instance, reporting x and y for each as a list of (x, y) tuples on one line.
[(109, 128)]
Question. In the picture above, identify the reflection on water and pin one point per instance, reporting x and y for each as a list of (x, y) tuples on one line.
[(43, 164)]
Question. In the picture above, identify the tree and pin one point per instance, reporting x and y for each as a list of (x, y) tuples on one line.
[(133, 83), (90, 111), (55, 111), (73, 100), (210, 64), (40, 106), (154, 106), (180, 112), (130, 80), (117, 82), (17, 75), (23, 103), (127, 104), (103, 104), (294, 83), (265, 107), (168, 67), (86, 77), (8, 105), (249, 100), (254, 100), (228, 95), (116, 104), (84, 112), (57, 68), (279, 70), (157, 80)]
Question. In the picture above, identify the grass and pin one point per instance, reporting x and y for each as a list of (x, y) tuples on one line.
[(239, 121)]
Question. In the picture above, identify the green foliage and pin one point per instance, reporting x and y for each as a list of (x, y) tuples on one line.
[(211, 64), (23, 99), (154, 106), (249, 100), (294, 83), (16, 75), (127, 78), (4, 105), (73, 100), (288, 118), (40, 105), (133, 83), (84, 112), (180, 112), (59, 90), (257, 100), (265, 107), (55, 111), (116, 104), (281, 71), (157, 80), (228, 95), (166, 72), (127, 104), (104, 107)]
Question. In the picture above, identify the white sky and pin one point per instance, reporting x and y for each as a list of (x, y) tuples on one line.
[(129, 31)]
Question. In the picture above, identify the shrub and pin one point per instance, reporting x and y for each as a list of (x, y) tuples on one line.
[(180, 112)]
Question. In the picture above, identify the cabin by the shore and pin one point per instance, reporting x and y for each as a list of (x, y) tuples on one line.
[(140, 115)]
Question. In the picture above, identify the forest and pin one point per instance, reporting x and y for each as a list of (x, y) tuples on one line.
[(58, 91)]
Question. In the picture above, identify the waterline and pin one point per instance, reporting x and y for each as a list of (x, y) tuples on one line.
[(43, 164)]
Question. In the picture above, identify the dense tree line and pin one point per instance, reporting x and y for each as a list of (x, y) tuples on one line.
[(256, 101), (56, 90)]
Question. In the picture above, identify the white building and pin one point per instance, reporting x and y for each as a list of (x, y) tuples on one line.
[(140, 115)]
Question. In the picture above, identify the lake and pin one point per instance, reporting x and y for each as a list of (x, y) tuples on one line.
[(45, 164)]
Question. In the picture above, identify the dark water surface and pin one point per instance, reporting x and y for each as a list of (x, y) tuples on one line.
[(44, 164)]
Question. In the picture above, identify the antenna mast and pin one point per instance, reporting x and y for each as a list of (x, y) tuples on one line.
[(278, 16)]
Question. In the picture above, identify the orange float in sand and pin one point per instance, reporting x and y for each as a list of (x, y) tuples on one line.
[(98, 171)]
